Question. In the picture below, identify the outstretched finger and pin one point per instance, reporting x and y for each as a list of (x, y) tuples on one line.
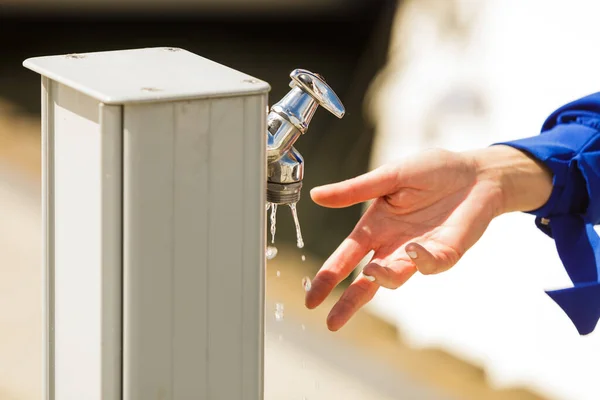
[(339, 265), (359, 293), (379, 182)]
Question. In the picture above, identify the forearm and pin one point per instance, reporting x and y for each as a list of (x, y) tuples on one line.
[(522, 182)]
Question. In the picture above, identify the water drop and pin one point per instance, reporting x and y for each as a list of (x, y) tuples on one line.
[(303, 257), (306, 284), (271, 252), (267, 206), (303, 327), (279, 312), (278, 274), (299, 240), (273, 221), (281, 338)]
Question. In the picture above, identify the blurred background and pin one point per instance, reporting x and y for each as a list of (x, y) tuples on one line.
[(413, 74)]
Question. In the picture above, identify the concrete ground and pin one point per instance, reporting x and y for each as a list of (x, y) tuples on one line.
[(305, 361), (20, 288), (366, 360)]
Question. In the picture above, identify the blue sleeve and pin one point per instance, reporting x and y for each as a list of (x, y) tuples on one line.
[(569, 145)]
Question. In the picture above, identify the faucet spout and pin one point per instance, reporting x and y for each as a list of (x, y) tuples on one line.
[(288, 119)]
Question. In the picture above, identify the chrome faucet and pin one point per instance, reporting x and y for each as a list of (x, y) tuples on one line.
[(287, 120)]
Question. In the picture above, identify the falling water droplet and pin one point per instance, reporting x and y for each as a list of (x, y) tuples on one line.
[(306, 284), (303, 327), (278, 274), (303, 257), (299, 240), (279, 312), (271, 252), (273, 221), (267, 206), (281, 338)]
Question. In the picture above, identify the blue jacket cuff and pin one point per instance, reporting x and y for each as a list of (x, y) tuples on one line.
[(569, 146)]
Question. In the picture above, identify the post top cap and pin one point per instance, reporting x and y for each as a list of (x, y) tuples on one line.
[(146, 75)]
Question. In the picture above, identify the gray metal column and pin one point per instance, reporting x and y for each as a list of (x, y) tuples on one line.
[(154, 192)]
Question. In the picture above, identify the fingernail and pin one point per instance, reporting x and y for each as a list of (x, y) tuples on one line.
[(412, 254), (369, 277)]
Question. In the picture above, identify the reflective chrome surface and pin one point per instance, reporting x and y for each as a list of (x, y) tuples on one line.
[(315, 85), (297, 107), (288, 119), (288, 169), (281, 136)]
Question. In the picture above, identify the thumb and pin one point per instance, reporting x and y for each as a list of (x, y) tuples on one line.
[(379, 182)]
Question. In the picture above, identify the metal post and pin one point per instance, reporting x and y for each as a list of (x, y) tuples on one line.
[(154, 192)]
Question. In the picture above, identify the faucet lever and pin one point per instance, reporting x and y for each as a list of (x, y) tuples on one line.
[(309, 91), (318, 89)]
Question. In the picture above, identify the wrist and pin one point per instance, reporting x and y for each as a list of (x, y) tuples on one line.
[(519, 181)]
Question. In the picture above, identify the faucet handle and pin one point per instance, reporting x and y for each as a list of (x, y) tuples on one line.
[(318, 89)]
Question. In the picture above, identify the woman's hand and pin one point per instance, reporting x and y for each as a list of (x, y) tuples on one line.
[(427, 212)]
